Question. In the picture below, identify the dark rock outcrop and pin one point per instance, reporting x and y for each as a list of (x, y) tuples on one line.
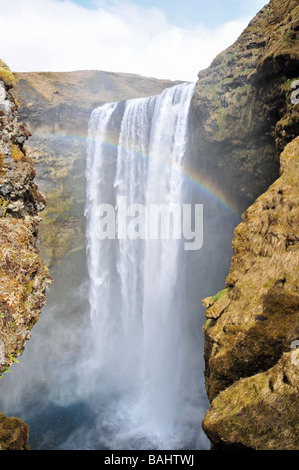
[(244, 115)]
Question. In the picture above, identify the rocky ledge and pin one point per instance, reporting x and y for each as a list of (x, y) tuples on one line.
[(24, 278)]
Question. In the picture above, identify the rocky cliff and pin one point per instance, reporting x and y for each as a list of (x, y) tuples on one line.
[(252, 325), (24, 278), (242, 111)]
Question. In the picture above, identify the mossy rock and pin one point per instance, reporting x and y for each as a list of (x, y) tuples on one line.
[(260, 412), (6, 75), (209, 301), (13, 433)]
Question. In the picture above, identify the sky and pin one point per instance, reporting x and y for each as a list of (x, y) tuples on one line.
[(170, 39)]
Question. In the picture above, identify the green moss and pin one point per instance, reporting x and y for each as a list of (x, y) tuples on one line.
[(248, 413), (220, 294), (227, 80), (14, 359), (6, 75), (247, 71)]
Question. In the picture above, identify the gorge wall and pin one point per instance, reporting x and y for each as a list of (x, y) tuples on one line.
[(247, 105), (24, 278), (253, 325)]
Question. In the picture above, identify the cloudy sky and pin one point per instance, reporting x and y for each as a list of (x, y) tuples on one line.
[(171, 39)]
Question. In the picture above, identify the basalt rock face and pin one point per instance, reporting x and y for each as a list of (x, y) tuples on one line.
[(24, 278), (57, 107), (243, 109), (252, 326)]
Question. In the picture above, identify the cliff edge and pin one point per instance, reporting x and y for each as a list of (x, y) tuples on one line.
[(24, 278)]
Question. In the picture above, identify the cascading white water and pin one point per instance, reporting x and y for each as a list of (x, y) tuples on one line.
[(143, 331)]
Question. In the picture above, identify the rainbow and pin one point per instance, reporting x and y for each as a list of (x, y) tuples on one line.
[(203, 184)]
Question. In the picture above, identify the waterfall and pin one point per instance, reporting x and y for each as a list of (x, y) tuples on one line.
[(116, 361), (146, 339)]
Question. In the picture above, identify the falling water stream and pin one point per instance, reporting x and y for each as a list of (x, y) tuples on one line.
[(137, 299)]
